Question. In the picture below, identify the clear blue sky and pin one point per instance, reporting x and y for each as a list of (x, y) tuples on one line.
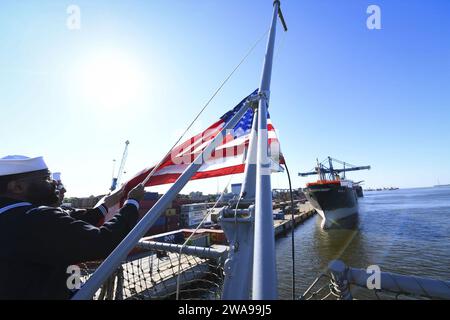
[(378, 97)]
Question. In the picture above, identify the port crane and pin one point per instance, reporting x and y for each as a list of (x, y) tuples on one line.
[(332, 172), (116, 180)]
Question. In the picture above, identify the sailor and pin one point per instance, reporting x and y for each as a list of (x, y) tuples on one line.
[(39, 242)]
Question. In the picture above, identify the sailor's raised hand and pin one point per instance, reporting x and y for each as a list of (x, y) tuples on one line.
[(137, 193), (113, 198)]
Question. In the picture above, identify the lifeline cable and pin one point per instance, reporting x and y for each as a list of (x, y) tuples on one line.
[(292, 233)]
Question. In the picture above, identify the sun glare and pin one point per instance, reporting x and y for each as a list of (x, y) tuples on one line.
[(111, 80)]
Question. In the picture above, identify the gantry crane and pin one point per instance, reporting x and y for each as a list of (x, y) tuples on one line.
[(333, 173), (116, 180)]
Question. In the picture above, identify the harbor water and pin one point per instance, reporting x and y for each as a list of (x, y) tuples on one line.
[(405, 231)]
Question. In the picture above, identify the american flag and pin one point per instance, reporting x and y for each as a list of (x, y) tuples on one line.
[(228, 158)]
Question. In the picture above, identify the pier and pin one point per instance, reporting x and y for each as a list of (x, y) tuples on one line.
[(302, 212)]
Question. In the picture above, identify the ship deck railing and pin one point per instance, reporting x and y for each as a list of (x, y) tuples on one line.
[(342, 282), (157, 270)]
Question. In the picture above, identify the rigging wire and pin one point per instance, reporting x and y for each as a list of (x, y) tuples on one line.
[(184, 133), (181, 137), (292, 230), (206, 105)]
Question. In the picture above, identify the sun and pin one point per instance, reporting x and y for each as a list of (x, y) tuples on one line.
[(111, 79)]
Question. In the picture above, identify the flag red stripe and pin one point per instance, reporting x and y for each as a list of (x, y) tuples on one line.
[(172, 177)]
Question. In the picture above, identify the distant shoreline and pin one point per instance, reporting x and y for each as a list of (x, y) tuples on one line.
[(410, 188)]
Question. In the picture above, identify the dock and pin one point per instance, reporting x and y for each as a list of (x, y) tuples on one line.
[(302, 212)]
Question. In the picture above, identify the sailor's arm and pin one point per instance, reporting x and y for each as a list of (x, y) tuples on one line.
[(92, 216), (58, 238), (96, 216)]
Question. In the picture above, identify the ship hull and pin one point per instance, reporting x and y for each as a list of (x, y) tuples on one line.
[(333, 202)]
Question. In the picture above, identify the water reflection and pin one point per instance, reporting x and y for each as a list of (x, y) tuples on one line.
[(337, 242)]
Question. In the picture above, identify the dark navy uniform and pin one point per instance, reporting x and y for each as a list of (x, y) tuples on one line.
[(95, 216), (39, 243)]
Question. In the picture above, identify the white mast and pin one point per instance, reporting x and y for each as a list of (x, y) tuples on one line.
[(264, 260)]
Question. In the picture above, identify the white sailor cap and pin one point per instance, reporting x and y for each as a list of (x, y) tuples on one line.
[(12, 165)]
